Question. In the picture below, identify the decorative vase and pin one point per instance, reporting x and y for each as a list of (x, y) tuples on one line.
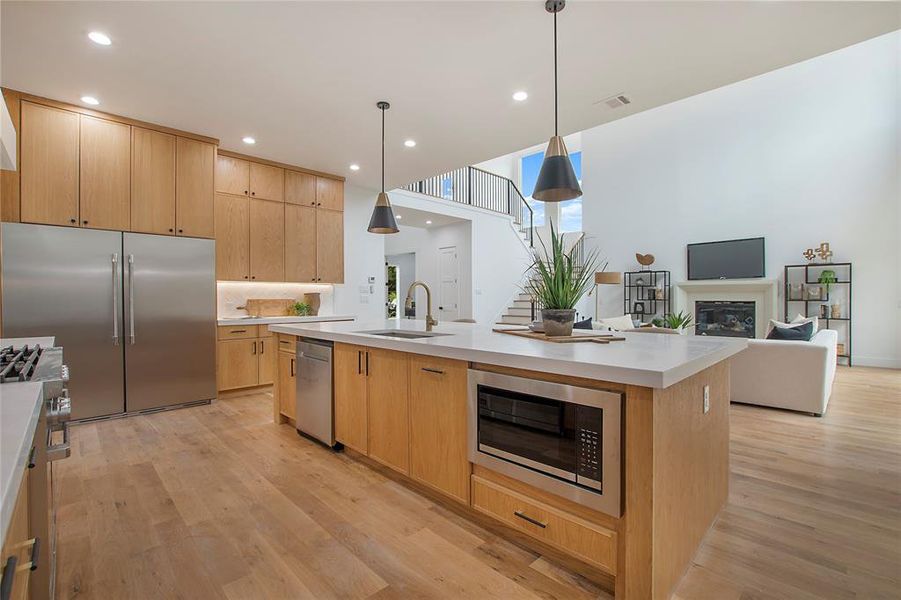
[(835, 311), (314, 301), (558, 321)]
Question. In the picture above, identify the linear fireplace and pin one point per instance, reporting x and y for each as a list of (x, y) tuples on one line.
[(725, 318)]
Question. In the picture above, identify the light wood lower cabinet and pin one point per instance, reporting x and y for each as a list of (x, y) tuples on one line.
[(438, 393), (351, 407), (19, 544), (588, 541), (387, 393), (287, 381), (246, 357)]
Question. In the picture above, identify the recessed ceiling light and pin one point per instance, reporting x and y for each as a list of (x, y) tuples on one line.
[(520, 96), (428, 222), (90, 100), (248, 140), (100, 38), (410, 143), (355, 167)]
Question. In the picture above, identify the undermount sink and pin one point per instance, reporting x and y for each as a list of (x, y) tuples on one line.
[(407, 335)]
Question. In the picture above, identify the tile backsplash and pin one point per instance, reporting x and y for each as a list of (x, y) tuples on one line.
[(232, 294)]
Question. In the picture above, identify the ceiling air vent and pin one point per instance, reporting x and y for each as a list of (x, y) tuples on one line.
[(616, 101)]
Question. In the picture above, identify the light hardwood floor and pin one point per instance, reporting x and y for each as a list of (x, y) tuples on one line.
[(218, 502)]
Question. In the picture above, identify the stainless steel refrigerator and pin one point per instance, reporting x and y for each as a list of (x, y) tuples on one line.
[(135, 313)]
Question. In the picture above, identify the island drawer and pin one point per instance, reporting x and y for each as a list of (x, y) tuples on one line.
[(287, 343), (587, 541), (237, 332)]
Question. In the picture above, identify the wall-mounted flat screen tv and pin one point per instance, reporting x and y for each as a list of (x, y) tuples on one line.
[(729, 259)]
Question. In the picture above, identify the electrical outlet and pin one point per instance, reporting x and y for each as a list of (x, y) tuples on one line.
[(706, 399)]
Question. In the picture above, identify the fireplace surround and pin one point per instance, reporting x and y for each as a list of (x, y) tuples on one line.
[(762, 292), (725, 318)]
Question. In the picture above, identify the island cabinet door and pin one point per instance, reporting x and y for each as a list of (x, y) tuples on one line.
[(438, 454), (351, 406), (389, 441), (267, 361), (287, 379)]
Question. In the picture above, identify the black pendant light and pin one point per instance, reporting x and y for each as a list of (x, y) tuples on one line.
[(557, 180), (382, 220)]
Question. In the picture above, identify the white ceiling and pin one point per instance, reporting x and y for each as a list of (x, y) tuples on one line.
[(303, 77), (414, 217)]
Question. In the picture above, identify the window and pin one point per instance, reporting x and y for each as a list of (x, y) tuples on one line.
[(566, 215)]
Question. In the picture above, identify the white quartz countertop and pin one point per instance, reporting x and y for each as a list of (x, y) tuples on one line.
[(644, 359), (271, 320), (20, 409)]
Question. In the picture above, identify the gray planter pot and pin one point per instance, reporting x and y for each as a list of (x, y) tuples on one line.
[(558, 321)]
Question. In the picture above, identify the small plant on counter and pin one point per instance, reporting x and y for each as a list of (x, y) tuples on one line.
[(679, 322), (657, 322), (301, 309)]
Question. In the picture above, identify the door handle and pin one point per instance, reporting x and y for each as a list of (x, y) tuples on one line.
[(293, 368), (254, 347), (262, 347), (430, 370), (115, 263), (359, 362), (526, 517), (131, 299), (367, 363), (9, 574)]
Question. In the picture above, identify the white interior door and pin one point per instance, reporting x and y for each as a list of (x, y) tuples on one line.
[(448, 281)]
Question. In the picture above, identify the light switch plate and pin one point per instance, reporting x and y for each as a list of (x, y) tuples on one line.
[(706, 399)]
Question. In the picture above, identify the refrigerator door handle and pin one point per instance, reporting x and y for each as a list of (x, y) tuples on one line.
[(131, 299), (115, 263)]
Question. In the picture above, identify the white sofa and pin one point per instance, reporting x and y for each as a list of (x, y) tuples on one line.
[(786, 374)]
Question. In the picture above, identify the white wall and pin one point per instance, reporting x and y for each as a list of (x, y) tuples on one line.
[(499, 256), (425, 244), (364, 257), (801, 155)]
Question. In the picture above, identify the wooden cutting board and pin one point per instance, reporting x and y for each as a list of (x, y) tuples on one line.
[(577, 336), (269, 307)]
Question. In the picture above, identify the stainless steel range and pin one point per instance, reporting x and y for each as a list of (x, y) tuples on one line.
[(33, 363)]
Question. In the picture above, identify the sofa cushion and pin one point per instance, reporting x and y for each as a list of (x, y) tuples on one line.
[(802, 319), (798, 332), (583, 324), (618, 323)]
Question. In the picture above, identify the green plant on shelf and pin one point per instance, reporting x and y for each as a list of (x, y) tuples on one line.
[(828, 279)]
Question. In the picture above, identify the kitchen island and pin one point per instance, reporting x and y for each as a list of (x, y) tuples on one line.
[(408, 404)]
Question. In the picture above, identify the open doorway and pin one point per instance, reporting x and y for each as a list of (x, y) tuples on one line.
[(400, 271), (391, 293)]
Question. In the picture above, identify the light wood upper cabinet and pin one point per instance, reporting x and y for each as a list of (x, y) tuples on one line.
[(49, 165), (152, 181), (330, 246), (438, 457), (329, 193), (267, 240), (351, 422), (300, 243), (236, 363), (287, 379), (300, 188), (232, 176), (387, 373), (267, 182), (105, 175), (232, 218), (195, 181)]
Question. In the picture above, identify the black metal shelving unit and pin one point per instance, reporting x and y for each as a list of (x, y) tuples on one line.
[(639, 285), (844, 282)]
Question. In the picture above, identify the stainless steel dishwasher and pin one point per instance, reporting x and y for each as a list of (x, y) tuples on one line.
[(315, 404)]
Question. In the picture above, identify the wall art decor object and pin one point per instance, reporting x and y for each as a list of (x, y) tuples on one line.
[(809, 254), (645, 260)]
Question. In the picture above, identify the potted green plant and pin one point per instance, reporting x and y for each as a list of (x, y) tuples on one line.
[(827, 278), (558, 283), (301, 309), (680, 322)]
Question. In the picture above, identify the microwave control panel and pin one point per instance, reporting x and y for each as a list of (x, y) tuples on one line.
[(589, 428)]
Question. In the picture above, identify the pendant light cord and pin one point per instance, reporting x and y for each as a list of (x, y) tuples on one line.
[(555, 74), (383, 150)]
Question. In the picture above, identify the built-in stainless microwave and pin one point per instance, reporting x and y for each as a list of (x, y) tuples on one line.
[(561, 438)]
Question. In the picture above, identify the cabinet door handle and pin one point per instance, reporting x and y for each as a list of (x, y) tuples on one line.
[(9, 574), (293, 371), (367, 364), (35, 553), (526, 517), (31, 462), (262, 347), (254, 347), (238, 331), (430, 370), (359, 362)]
